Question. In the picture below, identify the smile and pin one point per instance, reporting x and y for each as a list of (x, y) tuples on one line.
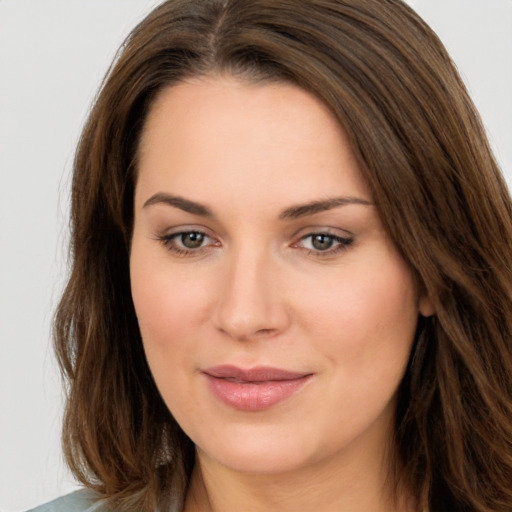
[(255, 389)]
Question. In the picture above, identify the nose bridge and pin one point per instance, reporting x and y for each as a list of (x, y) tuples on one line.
[(251, 304)]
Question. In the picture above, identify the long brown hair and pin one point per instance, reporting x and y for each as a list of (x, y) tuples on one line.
[(422, 149)]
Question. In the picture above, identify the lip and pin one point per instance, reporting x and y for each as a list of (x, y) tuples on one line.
[(253, 389)]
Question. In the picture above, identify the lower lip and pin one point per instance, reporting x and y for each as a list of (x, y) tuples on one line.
[(254, 396)]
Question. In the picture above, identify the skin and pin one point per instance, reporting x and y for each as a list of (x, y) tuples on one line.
[(257, 291)]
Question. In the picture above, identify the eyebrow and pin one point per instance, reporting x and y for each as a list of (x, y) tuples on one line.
[(293, 212), (179, 202)]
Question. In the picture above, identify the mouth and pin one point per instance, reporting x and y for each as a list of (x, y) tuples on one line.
[(254, 389)]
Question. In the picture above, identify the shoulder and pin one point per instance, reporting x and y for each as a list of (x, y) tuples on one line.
[(79, 501)]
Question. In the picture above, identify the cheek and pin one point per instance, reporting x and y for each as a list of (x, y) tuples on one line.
[(364, 326), (169, 305), (367, 316), (170, 311)]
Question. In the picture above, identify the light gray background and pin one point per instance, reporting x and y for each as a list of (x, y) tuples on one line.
[(53, 54)]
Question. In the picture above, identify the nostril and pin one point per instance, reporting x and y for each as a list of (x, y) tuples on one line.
[(260, 333), (264, 332)]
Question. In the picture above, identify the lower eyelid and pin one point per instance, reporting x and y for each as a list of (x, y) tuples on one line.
[(168, 240), (336, 238), (340, 244), (170, 244)]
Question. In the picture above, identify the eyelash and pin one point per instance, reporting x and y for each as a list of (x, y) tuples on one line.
[(342, 244), (169, 242)]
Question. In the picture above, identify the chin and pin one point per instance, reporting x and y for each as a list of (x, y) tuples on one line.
[(260, 450), (254, 461)]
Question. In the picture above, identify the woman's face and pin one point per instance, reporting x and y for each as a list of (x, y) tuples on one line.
[(277, 316)]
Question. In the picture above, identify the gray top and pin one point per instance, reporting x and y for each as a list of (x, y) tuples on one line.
[(84, 500)]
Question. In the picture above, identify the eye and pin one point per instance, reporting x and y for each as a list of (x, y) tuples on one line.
[(324, 243), (191, 240), (187, 242)]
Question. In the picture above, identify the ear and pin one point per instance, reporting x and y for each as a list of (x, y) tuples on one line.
[(425, 306)]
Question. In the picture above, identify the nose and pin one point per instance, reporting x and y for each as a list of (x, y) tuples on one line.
[(252, 300)]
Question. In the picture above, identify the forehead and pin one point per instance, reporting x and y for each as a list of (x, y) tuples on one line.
[(221, 133)]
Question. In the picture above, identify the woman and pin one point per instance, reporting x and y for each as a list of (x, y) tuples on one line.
[(291, 284)]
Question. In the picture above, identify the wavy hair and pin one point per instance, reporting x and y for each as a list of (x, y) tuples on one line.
[(420, 145)]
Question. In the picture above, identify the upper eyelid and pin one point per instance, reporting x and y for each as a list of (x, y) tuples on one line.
[(300, 234), (176, 234), (340, 245), (170, 232), (342, 233), (322, 230), (171, 243), (337, 238)]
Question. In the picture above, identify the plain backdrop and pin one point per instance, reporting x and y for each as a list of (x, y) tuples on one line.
[(53, 54)]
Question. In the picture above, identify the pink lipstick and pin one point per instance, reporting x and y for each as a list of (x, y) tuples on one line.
[(253, 389)]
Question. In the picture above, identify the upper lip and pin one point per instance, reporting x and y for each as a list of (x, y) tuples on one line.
[(256, 374)]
